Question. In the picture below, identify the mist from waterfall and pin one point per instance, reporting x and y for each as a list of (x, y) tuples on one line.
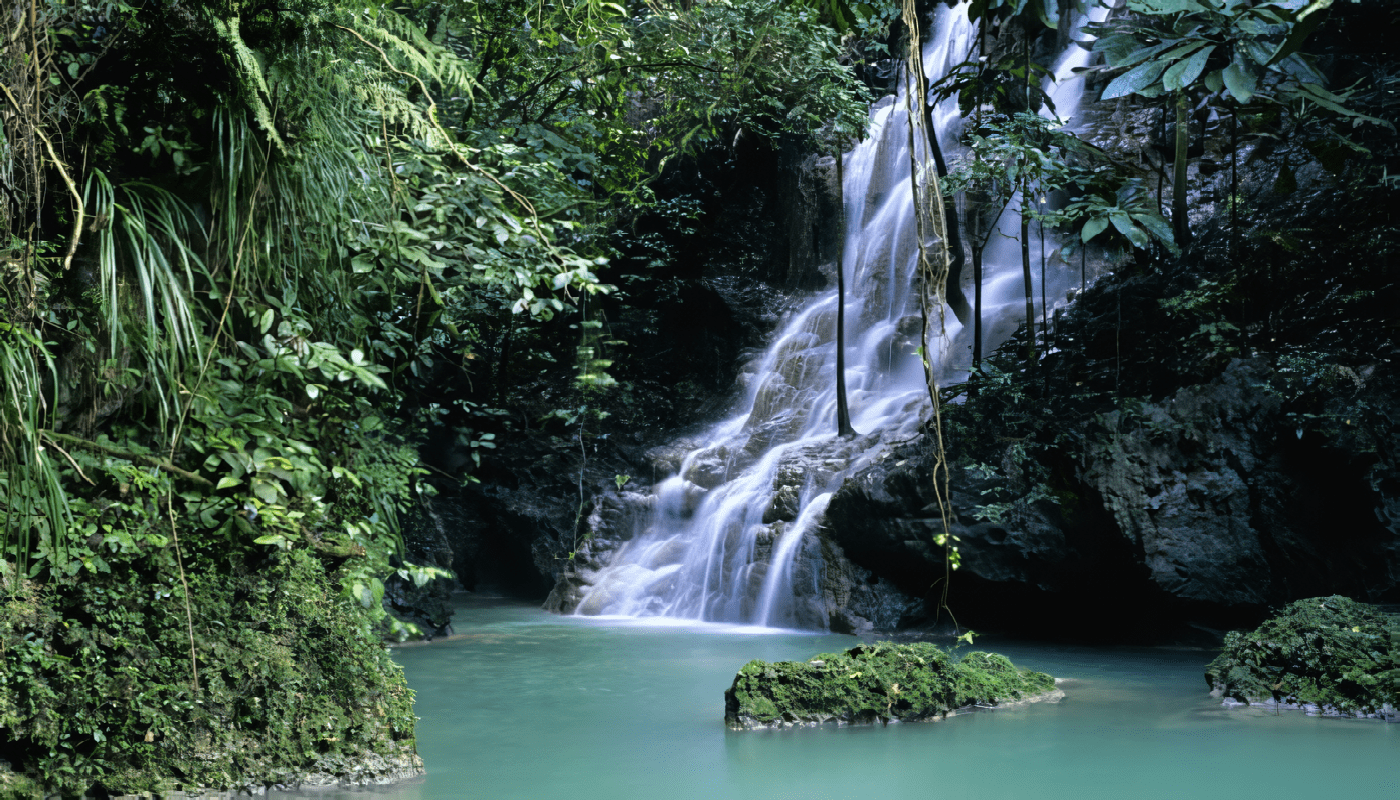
[(729, 537)]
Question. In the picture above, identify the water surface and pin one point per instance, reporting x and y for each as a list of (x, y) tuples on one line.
[(524, 704)]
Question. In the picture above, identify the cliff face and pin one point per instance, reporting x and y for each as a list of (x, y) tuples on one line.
[(1204, 504)]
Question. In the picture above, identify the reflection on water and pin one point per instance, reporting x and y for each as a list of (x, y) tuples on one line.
[(529, 705)]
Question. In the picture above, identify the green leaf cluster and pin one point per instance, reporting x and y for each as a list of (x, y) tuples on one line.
[(1330, 651)]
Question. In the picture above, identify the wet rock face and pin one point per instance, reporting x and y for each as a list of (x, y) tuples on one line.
[(1227, 508), (1185, 479), (1202, 505)]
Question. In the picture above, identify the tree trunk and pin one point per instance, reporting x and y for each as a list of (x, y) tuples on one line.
[(1183, 231), (975, 215), (976, 293), (1026, 275), (953, 286), (843, 413)]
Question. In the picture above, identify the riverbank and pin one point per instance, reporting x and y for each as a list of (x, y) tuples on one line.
[(537, 705)]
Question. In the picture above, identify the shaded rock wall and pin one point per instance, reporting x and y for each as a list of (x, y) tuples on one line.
[(1203, 505), (543, 507)]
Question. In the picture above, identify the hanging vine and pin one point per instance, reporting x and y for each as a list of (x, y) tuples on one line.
[(935, 263)]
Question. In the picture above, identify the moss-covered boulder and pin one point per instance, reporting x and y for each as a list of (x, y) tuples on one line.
[(97, 693), (871, 683), (1336, 654)]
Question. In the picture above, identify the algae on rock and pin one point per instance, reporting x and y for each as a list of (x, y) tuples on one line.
[(1333, 652), (878, 682)]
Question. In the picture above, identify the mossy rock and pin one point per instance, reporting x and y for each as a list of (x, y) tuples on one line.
[(97, 692), (1333, 652), (872, 683)]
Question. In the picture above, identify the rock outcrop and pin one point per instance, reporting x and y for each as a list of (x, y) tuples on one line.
[(1327, 655), (1203, 504), (881, 683)]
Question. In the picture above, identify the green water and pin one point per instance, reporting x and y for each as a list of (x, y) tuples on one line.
[(530, 705)]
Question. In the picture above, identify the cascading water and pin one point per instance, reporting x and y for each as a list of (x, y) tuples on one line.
[(722, 537)]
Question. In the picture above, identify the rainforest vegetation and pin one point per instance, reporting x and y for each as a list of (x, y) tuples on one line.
[(276, 274)]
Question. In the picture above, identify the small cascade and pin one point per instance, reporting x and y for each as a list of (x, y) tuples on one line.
[(730, 536)]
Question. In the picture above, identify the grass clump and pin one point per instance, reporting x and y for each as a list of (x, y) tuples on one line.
[(1331, 651), (874, 683)]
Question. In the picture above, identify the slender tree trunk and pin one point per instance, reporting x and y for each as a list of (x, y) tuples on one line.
[(843, 413), (975, 215), (503, 359), (1026, 204), (1026, 275), (953, 286), (1162, 166), (1234, 179), (1044, 306), (976, 291), (1183, 231)]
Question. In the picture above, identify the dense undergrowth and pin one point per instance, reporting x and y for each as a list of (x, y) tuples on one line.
[(246, 249), (1328, 651), (1299, 279), (292, 685)]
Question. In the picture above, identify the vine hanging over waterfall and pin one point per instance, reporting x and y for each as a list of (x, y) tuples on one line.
[(931, 233)]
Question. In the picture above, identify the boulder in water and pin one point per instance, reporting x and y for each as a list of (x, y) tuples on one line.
[(880, 682), (1328, 655)]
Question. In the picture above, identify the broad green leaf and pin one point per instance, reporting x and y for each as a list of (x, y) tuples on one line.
[(1125, 226), (1256, 50), (265, 491), (362, 593), (1092, 228), (1183, 74), (1134, 80), (1240, 81), (1214, 82), (1143, 54), (274, 539), (1308, 20), (1158, 226), (227, 482), (1184, 50)]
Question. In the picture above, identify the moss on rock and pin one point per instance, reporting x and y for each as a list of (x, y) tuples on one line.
[(875, 683), (96, 690), (1333, 652)]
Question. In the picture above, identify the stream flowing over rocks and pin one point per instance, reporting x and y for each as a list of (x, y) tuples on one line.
[(1217, 490)]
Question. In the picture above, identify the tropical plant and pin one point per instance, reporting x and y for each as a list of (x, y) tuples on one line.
[(1231, 51), (1023, 155)]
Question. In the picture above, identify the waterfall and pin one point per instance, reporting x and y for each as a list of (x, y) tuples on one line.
[(730, 537)]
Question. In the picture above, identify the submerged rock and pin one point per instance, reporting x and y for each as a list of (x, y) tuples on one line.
[(1326, 655), (880, 682)]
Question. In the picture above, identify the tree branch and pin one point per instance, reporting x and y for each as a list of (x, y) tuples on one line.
[(148, 460)]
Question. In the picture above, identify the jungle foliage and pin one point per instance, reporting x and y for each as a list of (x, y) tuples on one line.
[(243, 243), (1332, 652)]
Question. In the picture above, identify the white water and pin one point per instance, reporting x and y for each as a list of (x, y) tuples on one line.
[(723, 536)]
